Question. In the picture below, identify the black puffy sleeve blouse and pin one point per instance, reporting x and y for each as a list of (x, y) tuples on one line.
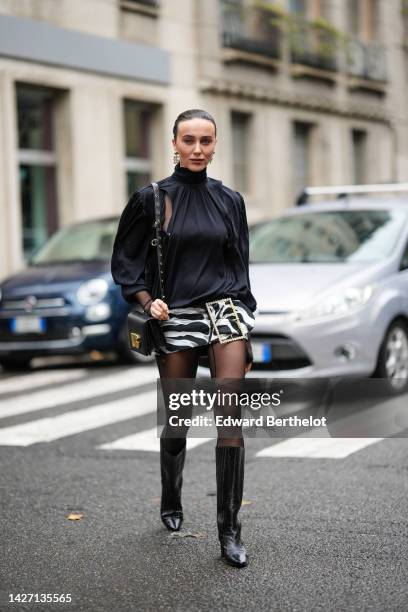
[(205, 244)]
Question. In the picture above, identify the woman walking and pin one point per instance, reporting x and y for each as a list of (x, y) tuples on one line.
[(209, 305)]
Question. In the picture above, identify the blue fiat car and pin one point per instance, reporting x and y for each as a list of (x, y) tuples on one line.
[(65, 301)]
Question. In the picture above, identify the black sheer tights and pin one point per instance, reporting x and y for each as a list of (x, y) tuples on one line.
[(226, 361)]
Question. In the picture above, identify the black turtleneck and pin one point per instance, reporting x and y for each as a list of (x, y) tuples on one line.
[(205, 244), (190, 177)]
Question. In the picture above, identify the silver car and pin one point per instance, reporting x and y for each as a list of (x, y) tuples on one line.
[(331, 282)]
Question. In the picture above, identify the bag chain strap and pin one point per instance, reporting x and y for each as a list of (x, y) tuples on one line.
[(157, 241)]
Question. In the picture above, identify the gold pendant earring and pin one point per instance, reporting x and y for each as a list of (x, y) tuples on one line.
[(176, 157), (212, 157)]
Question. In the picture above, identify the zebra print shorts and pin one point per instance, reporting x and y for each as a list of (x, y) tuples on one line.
[(222, 320)]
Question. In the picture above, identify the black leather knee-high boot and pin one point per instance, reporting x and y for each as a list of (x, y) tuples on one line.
[(229, 462), (171, 466)]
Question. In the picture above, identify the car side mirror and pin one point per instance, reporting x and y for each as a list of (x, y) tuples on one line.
[(404, 263)]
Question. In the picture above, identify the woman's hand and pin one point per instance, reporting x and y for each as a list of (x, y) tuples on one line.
[(159, 310)]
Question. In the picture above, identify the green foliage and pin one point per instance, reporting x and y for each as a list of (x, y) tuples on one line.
[(318, 36)]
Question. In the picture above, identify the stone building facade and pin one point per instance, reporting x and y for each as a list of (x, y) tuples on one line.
[(303, 92)]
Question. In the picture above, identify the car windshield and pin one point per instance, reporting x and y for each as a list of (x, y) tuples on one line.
[(88, 241), (352, 236)]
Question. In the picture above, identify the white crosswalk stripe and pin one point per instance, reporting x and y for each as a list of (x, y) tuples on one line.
[(144, 440), (93, 387), (28, 382), (147, 440), (318, 448), (78, 421)]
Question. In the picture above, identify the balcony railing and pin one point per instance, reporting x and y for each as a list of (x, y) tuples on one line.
[(366, 60), (249, 29), (272, 32), (313, 45)]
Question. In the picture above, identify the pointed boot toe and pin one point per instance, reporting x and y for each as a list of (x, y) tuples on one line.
[(233, 551), (173, 520), (236, 559)]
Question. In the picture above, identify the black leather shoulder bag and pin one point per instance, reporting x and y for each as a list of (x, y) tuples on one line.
[(145, 332)]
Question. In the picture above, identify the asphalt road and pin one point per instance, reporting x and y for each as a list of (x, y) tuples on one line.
[(324, 523)]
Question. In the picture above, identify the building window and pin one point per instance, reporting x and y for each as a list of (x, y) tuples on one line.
[(298, 6), (373, 20), (364, 19), (323, 9), (404, 15), (301, 156), (311, 9), (37, 165), (354, 17), (240, 123), (138, 144), (359, 146)]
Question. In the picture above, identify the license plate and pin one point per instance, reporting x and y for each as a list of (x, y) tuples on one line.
[(24, 325), (261, 351)]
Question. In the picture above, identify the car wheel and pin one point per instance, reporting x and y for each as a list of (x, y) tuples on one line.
[(392, 362), (124, 352), (15, 365)]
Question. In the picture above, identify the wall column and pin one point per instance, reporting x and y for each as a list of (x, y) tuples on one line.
[(11, 251)]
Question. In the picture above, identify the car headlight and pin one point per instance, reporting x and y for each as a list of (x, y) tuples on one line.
[(98, 312), (336, 304), (92, 291)]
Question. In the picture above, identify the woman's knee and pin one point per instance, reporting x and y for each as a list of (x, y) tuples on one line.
[(228, 360)]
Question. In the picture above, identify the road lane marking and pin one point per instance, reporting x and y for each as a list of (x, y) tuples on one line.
[(78, 421), (38, 379), (319, 448), (96, 387), (147, 440)]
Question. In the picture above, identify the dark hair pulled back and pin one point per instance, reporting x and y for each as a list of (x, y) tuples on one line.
[(193, 113)]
